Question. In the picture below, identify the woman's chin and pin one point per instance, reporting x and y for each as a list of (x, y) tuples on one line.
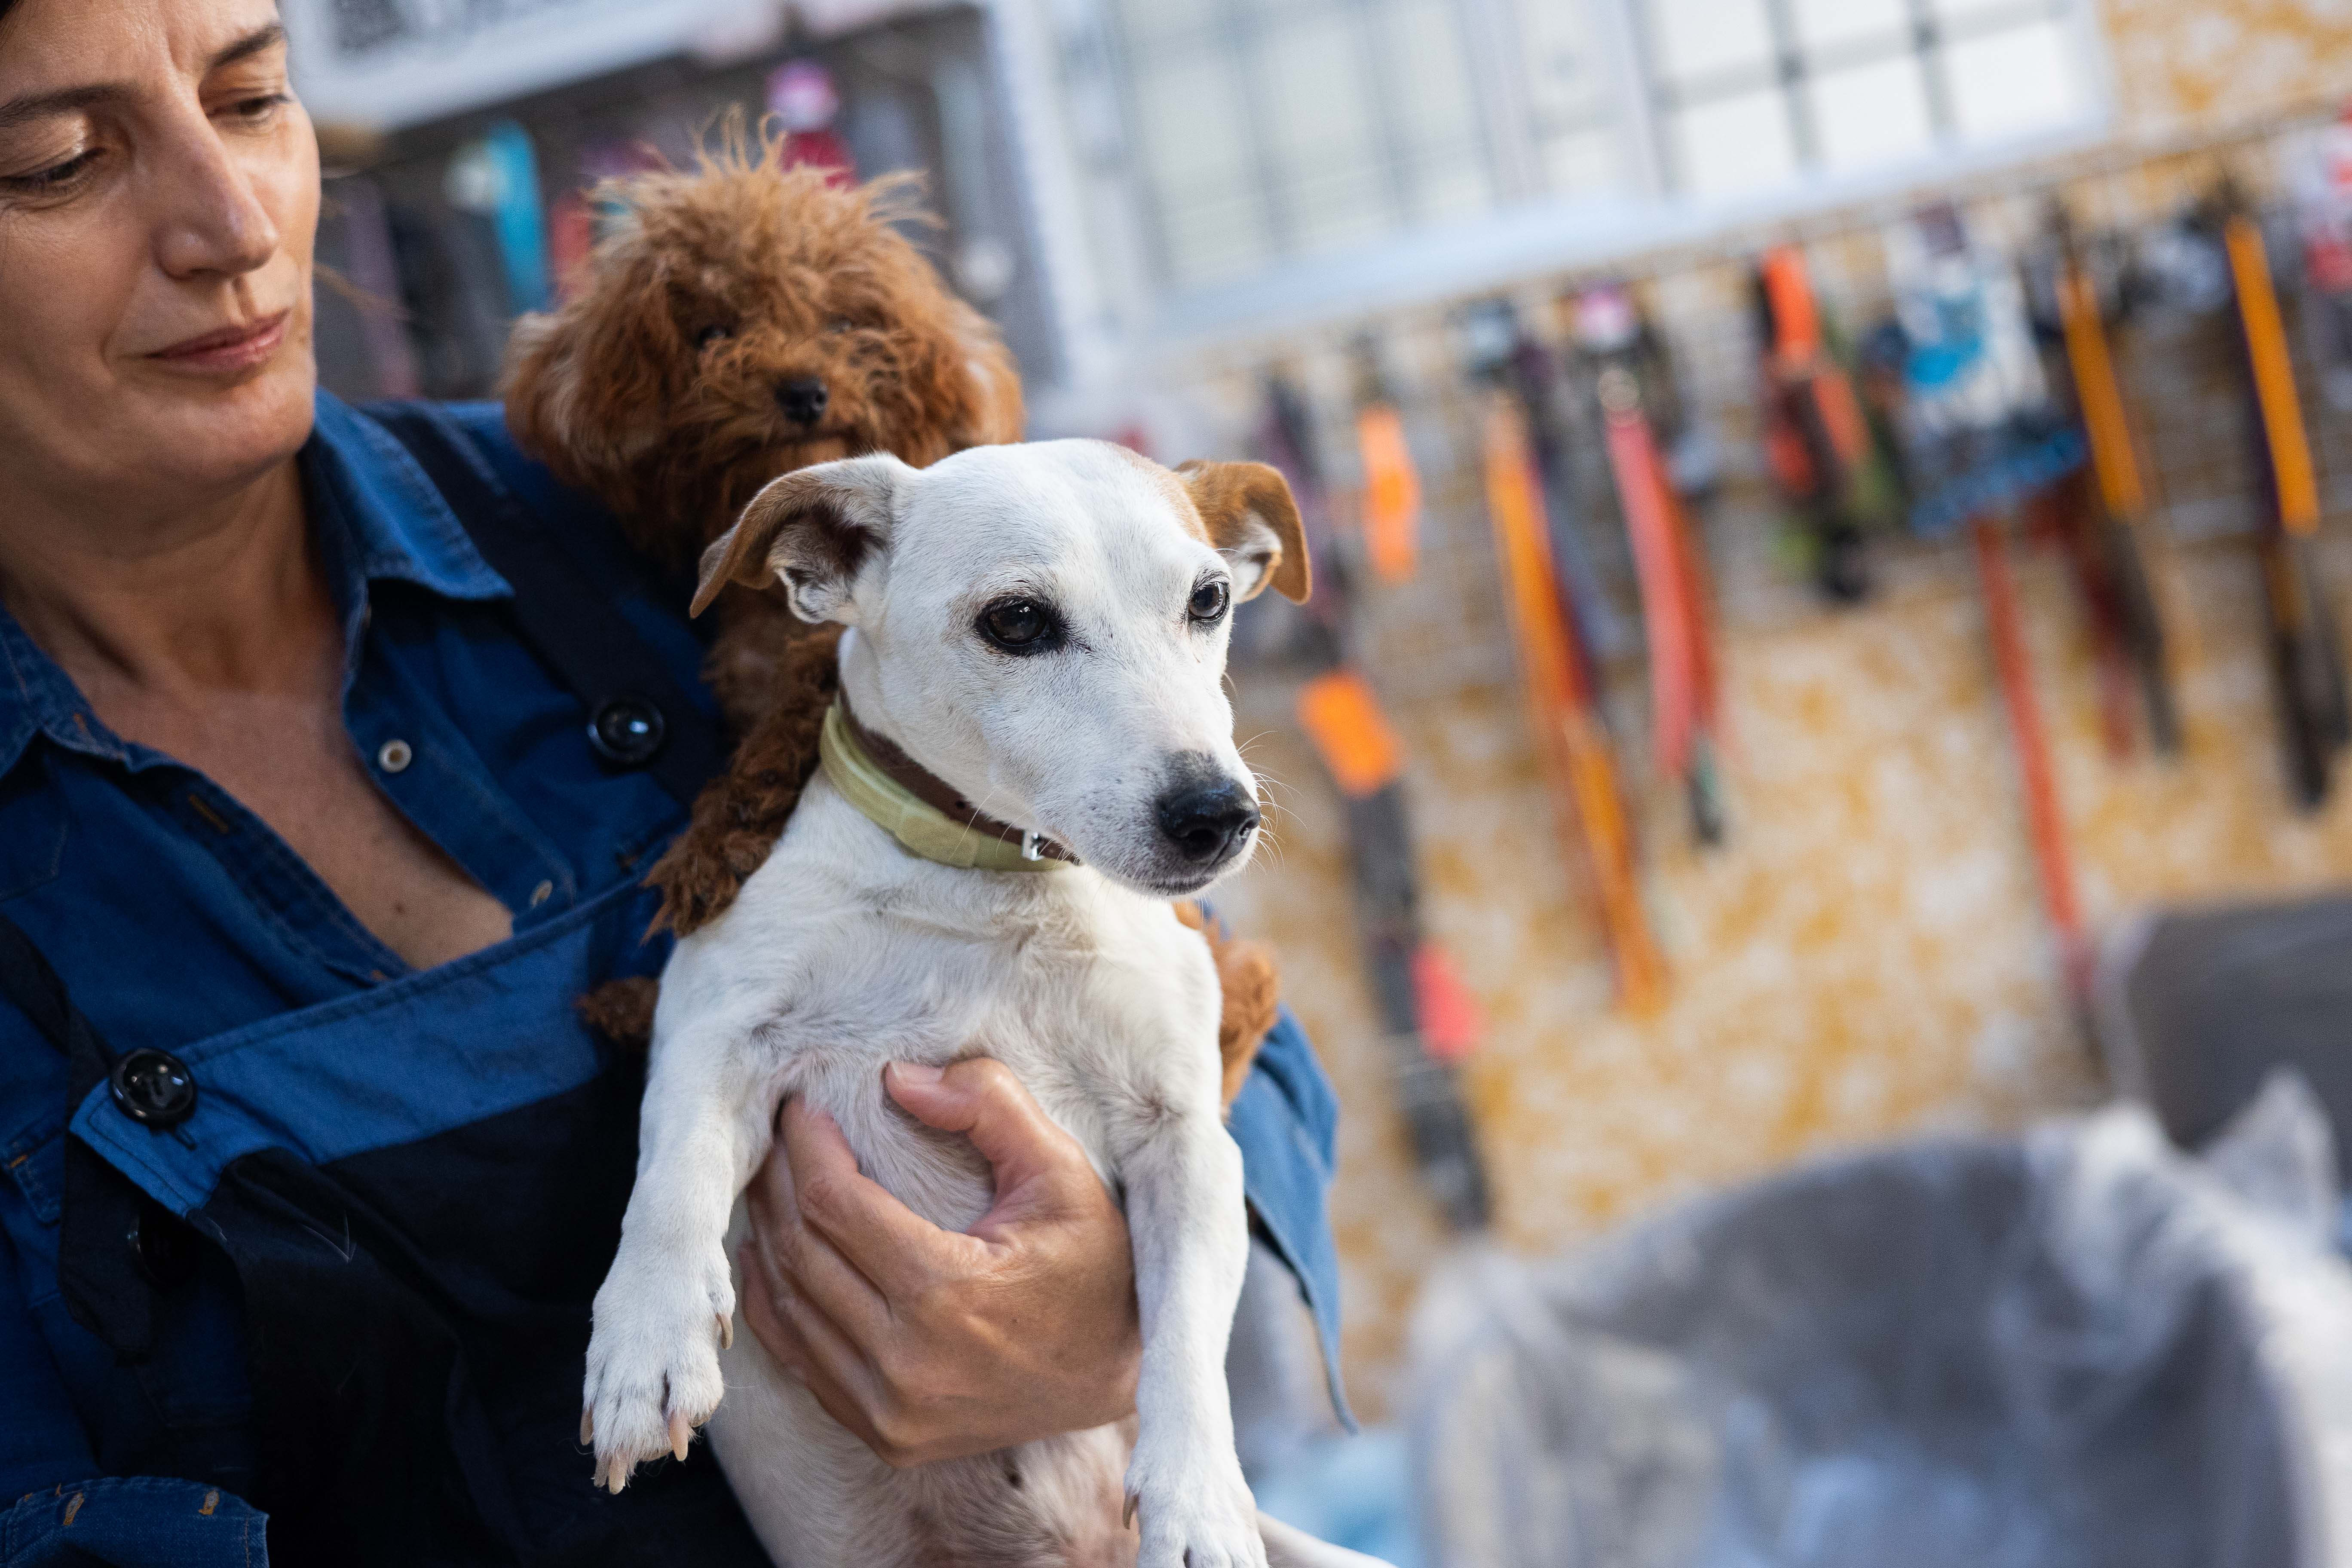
[(219, 430)]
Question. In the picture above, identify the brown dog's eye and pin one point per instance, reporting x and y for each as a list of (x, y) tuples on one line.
[(841, 324), (712, 334)]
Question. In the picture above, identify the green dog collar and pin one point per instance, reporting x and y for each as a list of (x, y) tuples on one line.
[(919, 826)]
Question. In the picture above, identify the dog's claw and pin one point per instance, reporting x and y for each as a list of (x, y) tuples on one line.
[(682, 1433), (588, 1425), (618, 1475), (1127, 1517), (726, 1331)]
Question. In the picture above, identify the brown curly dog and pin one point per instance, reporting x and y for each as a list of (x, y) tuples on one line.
[(741, 320)]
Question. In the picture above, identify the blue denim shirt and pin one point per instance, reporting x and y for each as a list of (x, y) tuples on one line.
[(175, 915)]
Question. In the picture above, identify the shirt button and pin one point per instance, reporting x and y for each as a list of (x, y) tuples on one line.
[(153, 1089), (393, 756), (542, 893)]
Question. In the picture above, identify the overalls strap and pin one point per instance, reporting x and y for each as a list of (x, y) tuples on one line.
[(116, 1246), (638, 716)]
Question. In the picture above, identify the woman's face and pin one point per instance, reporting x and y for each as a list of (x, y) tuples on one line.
[(159, 192)]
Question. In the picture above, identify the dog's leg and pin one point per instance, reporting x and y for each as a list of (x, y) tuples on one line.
[(1185, 1210), (669, 1299)]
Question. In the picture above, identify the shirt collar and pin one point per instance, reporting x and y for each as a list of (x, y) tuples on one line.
[(368, 496), (376, 517)]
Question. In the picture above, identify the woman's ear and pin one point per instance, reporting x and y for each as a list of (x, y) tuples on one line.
[(815, 529), (1253, 522)]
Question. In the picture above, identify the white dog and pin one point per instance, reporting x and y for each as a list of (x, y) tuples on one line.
[(1044, 626)]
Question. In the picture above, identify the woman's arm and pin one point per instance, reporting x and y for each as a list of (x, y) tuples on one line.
[(931, 1345)]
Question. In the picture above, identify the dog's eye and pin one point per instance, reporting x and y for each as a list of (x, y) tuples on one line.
[(1209, 601), (711, 334), (840, 325), (1020, 626)]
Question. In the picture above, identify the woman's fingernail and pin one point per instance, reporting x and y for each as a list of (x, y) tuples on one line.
[(918, 1072)]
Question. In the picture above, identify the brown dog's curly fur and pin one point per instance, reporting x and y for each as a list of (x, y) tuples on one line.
[(656, 390)]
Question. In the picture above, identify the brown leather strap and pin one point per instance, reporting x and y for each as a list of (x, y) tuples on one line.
[(936, 792)]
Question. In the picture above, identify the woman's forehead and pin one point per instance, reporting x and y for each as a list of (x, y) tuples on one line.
[(62, 55)]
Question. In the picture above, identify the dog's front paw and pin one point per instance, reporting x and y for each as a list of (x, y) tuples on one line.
[(1193, 1516), (653, 1359)]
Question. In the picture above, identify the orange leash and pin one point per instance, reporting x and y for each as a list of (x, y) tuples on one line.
[(1589, 809), (2273, 370)]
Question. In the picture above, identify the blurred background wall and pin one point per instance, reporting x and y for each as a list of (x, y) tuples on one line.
[(1161, 201)]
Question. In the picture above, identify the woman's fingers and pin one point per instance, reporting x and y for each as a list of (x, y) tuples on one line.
[(899, 1254), (983, 1100)]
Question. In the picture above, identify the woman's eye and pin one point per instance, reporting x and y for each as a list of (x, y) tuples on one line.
[(1209, 600), (712, 334), (261, 106), (1018, 625), (56, 176)]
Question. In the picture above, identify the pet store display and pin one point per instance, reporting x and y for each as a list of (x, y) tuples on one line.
[(493, 215), (1678, 636), (1563, 698), (1426, 1016), (2308, 658), (1817, 440), (1985, 439), (1391, 508), (2123, 513)]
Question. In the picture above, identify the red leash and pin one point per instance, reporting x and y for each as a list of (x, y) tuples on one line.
[(2052, 857)]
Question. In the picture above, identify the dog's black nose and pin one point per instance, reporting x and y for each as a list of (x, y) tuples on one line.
[(801, 399), (1207, 822)]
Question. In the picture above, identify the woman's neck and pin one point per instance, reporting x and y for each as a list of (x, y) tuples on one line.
[(227, 597)]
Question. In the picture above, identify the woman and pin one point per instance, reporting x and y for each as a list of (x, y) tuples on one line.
[(318, 809)]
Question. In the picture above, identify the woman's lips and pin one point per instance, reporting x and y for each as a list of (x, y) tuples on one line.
[(230, 349)]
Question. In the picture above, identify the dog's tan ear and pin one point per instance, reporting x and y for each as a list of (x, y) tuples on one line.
[(1252, 521), (815, 529)]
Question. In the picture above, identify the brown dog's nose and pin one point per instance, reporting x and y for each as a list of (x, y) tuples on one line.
[(801, 399)]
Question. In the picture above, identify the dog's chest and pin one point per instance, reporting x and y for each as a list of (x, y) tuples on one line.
[(1101, 1004)]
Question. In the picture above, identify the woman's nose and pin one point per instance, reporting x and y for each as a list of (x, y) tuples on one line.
[(214, 220)]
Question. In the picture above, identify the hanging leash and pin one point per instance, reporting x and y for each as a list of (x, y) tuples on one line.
[(1563, 706), (2306, 657), (1428, 1022), (2123, 495)]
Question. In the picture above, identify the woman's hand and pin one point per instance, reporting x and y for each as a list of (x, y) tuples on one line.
[(927, 1343)]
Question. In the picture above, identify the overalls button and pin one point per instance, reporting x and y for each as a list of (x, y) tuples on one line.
[(627, 731), (153, 1089), (393, 756)]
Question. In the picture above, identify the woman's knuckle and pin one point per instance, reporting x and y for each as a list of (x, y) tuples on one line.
[(988, 1075)]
